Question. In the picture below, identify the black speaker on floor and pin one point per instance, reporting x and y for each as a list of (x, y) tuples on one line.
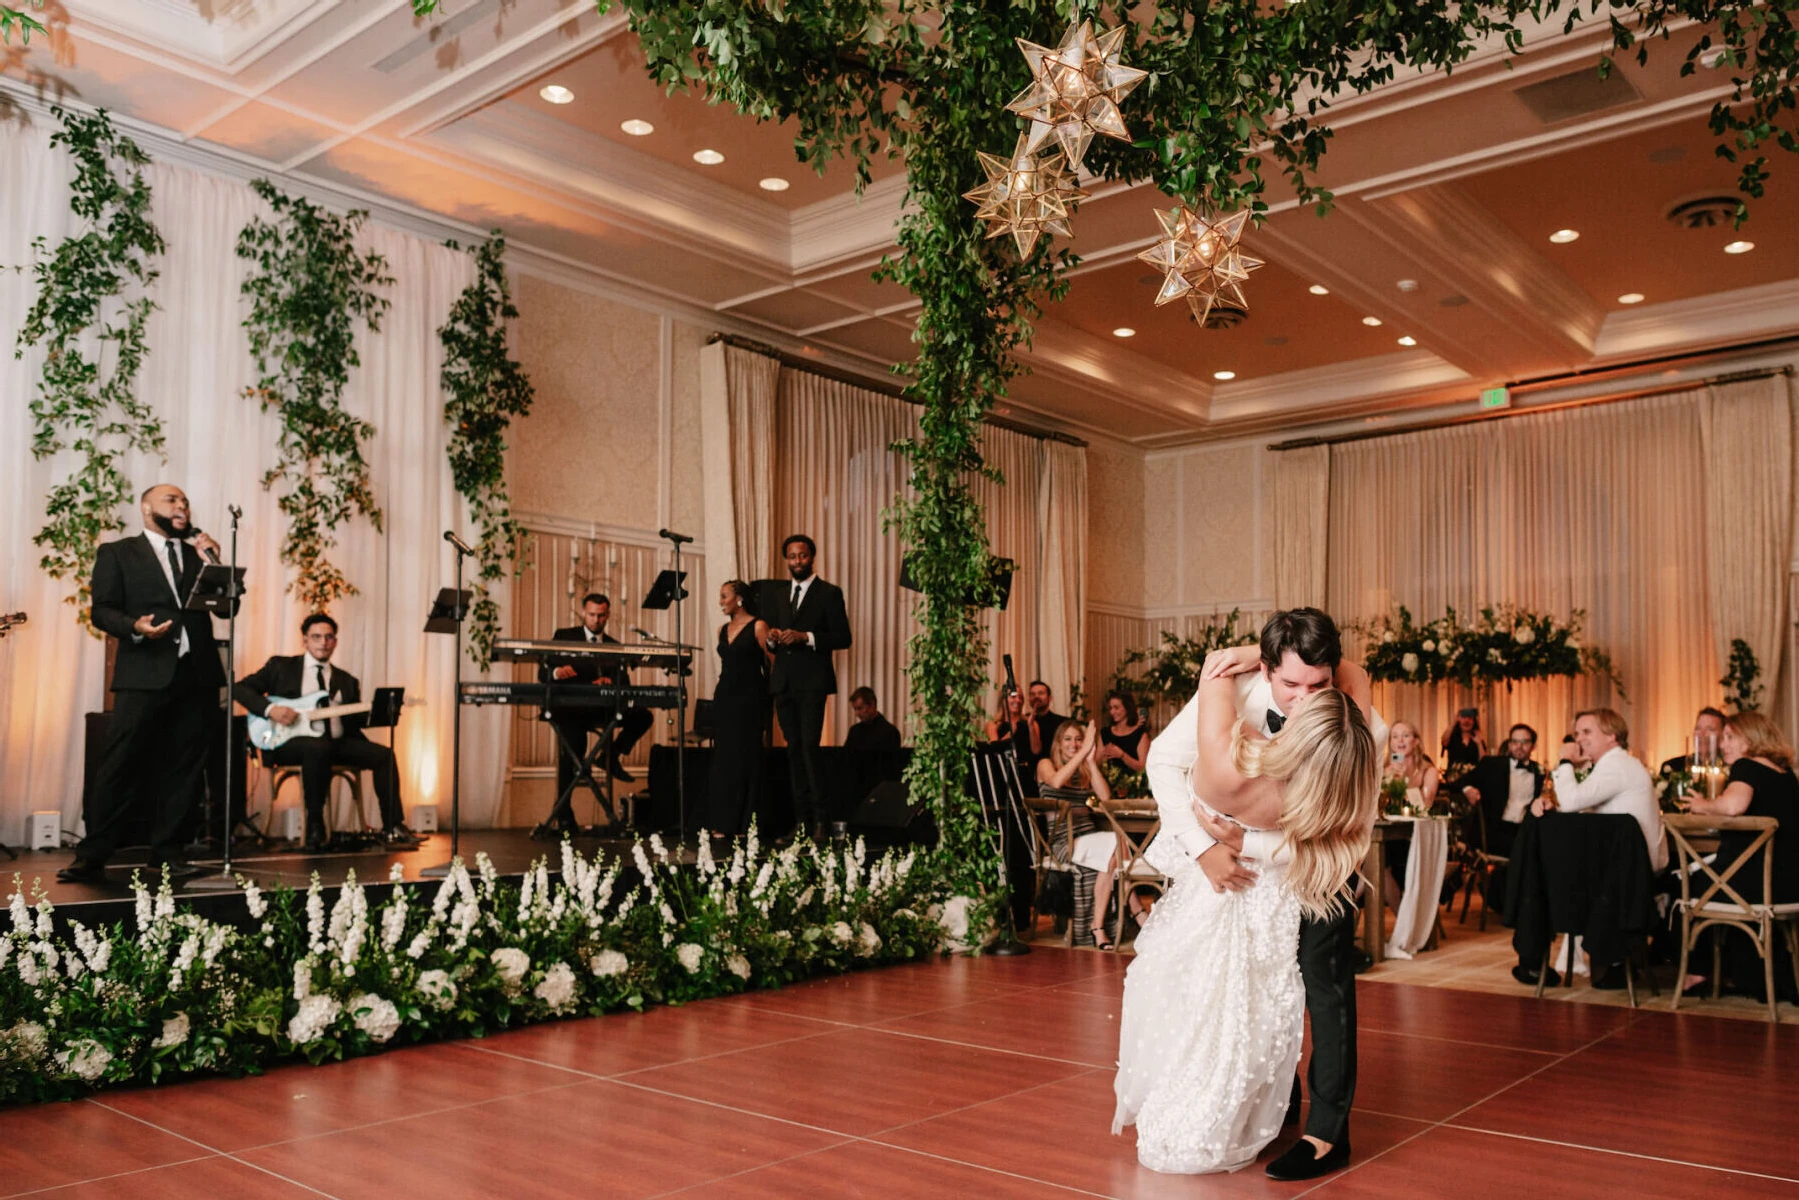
[(887, 817)]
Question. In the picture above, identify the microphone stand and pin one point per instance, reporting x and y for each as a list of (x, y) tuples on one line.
[(224, 881), (680, 699), (443, 869)]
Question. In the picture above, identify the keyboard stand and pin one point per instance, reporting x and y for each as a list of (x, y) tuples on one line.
[(562, 814)]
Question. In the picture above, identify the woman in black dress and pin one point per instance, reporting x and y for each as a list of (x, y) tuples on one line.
[(1125, 737), (740, 708), (1463, 745)]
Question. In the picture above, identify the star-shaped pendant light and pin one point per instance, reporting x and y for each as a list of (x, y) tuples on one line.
[(1075, 90), (1200, 260), (1026, 195)]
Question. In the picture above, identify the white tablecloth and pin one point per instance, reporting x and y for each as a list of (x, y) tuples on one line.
[(1417, 911)]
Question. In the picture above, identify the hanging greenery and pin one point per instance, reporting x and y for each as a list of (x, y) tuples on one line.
[(18, 18), (1169, 674), (92, 304), (1505, 645), (1741, 681), (309, 290), (487, 389)]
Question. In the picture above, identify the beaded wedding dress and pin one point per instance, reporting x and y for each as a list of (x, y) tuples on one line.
[(1213, 1018)]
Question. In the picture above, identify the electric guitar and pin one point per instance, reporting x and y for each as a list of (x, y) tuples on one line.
[(270, 735)]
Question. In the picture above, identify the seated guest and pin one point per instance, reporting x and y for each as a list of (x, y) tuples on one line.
[(576, 722), (1463, 744), (341, 744), (871, 731), (1043, 720), (1071, 774), (1761, 785), (1125, 739), (1501, 790), (1708, 724), (1008, 719), (1407, 761)]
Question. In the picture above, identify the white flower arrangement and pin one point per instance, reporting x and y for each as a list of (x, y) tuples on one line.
[(375, 1016), (86, 1060), (174, 1032), (737, 965), (511, 963), (438, 989), (690, 956), (317, 1014), (558, 988), (609, 963)]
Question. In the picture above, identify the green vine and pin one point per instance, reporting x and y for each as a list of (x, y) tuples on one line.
[(19, 19), (94, 285), (310, 288), (1740, 681), (487, 389)]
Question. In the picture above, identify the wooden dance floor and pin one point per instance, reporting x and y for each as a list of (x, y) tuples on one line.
[(979, 1078)]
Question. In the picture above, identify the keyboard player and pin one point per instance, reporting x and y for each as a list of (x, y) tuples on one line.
[(577, 723)]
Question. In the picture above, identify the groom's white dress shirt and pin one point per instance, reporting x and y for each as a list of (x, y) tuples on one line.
[(1181, 839)]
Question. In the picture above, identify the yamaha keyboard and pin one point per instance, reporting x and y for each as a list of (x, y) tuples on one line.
[(570, 695), (526, 650)]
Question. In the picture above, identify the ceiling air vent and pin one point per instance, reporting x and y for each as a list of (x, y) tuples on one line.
[(1223, 316), (1705, 212), (1576, 94)]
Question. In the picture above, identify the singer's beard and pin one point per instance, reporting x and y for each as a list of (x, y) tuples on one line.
[(167, 527)]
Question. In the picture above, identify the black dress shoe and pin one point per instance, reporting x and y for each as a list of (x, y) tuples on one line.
[(617, 770), (82, 872), (1301, 1161), (1609, 979), (1528, 977)]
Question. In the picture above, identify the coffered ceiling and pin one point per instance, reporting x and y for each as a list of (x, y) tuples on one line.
[(1448, 188)]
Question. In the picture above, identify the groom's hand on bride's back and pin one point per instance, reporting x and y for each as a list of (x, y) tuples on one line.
[(1222, 863)]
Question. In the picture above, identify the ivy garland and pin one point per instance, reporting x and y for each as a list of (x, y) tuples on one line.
[(310, 288), (18, 18), (94, 285), (487, 389)]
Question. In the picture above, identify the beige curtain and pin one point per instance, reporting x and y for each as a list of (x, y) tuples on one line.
[(1596, 508), (1747, 434), (1062, 516), (1302, 480), (737, 433)]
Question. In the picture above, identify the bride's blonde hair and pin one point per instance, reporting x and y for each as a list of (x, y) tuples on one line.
[(1325, 761)]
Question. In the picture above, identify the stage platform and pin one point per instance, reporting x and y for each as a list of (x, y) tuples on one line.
[(983, 1077)]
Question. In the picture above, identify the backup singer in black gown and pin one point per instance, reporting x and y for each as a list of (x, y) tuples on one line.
[(740, 708)]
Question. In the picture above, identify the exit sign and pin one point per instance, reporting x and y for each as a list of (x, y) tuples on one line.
[(1496, 398)]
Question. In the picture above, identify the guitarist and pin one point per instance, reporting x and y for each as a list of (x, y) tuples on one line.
[(343, 744)]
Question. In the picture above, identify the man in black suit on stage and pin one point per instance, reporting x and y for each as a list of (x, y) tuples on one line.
[(292, 676), (165, 683), (807, 624), (576, 723)]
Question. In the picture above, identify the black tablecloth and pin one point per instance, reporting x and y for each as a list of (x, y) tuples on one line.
[(849, 775), (1581, 873)]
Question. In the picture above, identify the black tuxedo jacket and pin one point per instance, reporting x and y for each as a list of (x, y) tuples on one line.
[(804, 668), (1492, 778), (587, 670), (128, 583), (282, 676)]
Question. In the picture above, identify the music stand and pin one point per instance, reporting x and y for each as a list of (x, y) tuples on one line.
[(216, 590), (384, 713), (446, 616), (666, 591)]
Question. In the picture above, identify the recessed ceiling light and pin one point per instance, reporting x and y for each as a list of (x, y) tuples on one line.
[(1408, 340), (637, 128), (1124, 331), (1562, 237), (1739, 247), (1223, 375), (708, 158), (555, 93), (774, 183), (1371, 321), (1631, 298), (1318, 289), (1407, 285)]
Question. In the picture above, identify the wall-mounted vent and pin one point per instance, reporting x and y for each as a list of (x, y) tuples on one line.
[(1223, 316), (1577, 94), (1705, 212)]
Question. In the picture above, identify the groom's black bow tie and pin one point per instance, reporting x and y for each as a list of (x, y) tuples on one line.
[(1275, 721)]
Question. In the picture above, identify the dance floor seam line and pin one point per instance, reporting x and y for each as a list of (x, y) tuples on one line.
[(616, 1075), (738, 1109), (688, 1187), (926, 1037), (56, 1187), (878, 1134), (990, 1170), (1673, 1162), (1431, 1037)]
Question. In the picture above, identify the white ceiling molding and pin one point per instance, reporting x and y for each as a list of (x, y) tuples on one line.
[(1384, 375), (847, 226), (1122, 376), (1771, 310), (224, 35)]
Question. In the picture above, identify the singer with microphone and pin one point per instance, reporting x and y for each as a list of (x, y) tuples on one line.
[(165, 683)]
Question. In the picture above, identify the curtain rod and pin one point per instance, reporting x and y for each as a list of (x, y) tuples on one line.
[(800, 362), (1580, 402)]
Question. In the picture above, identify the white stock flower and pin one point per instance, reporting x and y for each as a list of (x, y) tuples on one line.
[(302, 979), (254, 901), (1408, 662), (315, 1016), (511, 963), (396, 874), (376, 1017), (557, 988), (706, 863), (608, 963), (21, 912), (438, 988), (86, 1059), (690, 956), (174, 1032), (657, 848), (867, 940)]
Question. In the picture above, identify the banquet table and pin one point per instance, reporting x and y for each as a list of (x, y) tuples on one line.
[(1415, 921)]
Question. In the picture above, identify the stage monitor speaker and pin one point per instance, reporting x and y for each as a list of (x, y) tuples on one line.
[(999, 582), (887, 817), (46, 830)]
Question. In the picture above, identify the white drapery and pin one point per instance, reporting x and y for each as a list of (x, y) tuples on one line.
[(737, 433), (1302, 480), (218, 446)]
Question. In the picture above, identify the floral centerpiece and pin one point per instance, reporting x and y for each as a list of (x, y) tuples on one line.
[(1503, 644)]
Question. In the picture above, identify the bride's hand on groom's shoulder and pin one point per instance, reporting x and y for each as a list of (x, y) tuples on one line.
[(1237, 660)]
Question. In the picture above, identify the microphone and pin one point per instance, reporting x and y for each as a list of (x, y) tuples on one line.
[(212, 556), (672, 536), (237, 514), (450, 537), (645, 634), (1011, 680)]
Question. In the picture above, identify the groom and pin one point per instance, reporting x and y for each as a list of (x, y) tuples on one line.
[(1301, 654)]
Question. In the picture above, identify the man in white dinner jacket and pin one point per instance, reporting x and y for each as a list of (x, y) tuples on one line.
[(1299, 655)]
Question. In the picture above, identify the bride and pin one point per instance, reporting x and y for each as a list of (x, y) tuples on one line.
[(1214, 1011)]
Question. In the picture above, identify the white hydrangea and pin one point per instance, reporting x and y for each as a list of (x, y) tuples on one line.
[(608, 963), (867, 940), (316, 1015), (1408, 662), (438, 988), (557, 988), (690, 956), (1429, 646), (86, 1059), (174, 1032), (511, 963), (738, 965), (1524, 635), (28, 1040), (841, 933), (376, 1017)]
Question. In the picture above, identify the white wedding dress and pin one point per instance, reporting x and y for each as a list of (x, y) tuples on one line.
[(1213, 1018)]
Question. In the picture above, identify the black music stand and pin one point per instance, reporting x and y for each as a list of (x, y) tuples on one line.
[(446, 616), (384, 713), (667, 591), (216, 590)]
